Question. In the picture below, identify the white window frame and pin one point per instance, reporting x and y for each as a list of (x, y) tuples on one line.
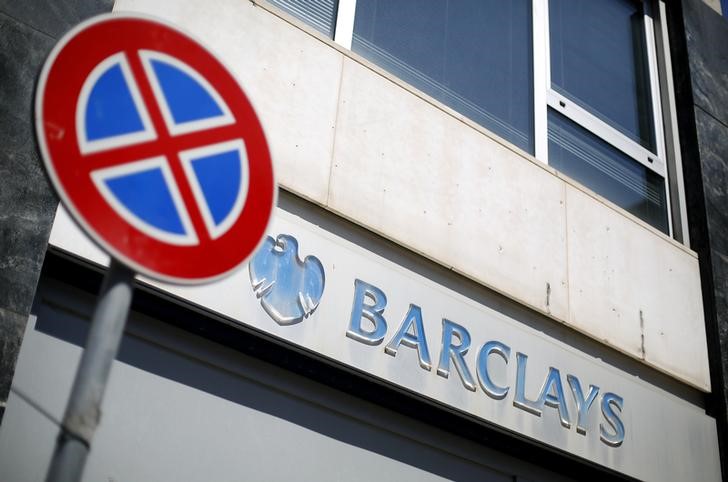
[(344, 28), (545, 97)]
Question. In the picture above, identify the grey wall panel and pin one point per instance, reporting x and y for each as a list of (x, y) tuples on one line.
[(180, 408)]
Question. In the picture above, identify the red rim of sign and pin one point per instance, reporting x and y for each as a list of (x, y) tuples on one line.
[(63, 76)]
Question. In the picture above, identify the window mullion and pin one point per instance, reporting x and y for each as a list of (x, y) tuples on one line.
[(541, 78), (654, 81), (676, 184), (345, 23), (655, 91), (606, 132)]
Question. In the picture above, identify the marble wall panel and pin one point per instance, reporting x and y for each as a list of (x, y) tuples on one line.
[(708, 57), (713, 146), (28, 31), (53, 17)]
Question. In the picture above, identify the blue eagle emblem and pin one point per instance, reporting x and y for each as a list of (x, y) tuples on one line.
[(289, 289)]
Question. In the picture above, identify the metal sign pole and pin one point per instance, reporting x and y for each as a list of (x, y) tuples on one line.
[(83, 411)]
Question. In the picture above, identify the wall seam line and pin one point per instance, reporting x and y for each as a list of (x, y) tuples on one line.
[(26, 24), (568, 317), (335, 128), (709, 114)]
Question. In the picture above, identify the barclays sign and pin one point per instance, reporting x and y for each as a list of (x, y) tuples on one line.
[(455, 342), (290, 289), (439, 338)]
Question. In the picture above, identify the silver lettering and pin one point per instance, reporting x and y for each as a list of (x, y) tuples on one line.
[(412, 320), (520, 401), (373, 312), (610, 401), (456, 353), (494, 391), (582, 404), (558, 400)]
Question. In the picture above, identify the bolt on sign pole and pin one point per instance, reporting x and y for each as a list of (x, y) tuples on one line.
[(157, 154)]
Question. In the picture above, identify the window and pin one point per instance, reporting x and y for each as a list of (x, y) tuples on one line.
[(320, 14), (444, 48), (573, 82), (598, 59), (601, 115)]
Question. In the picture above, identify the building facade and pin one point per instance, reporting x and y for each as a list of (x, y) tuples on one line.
[(498, 252)]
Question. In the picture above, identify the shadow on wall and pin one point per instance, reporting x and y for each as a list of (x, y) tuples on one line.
[(66, 315)]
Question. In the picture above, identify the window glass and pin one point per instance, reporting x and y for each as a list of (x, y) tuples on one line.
[(583, 156), (320, 14), (598, 60), (473, 55)]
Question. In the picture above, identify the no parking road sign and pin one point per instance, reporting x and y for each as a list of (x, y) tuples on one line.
[(154, 148), (157, 153)]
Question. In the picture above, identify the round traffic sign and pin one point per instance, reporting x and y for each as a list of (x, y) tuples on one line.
[(154, 148)]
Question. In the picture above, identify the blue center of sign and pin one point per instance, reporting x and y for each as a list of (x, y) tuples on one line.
[(147, 195), (219, 177), (145, 191), (110, 110), (187, 100)]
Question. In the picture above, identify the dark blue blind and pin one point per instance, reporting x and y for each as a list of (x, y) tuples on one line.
[(320, 14), (583, 156), (472, 55), (599, 60)]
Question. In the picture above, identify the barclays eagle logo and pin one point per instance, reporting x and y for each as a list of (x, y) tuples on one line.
[(289, 289)]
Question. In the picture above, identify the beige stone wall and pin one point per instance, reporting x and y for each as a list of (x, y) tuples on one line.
[(362, 144)]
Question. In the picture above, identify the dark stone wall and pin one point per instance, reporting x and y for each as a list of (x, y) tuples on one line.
[(699, 44), (28, 31)]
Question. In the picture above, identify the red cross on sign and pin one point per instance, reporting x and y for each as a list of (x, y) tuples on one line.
[(154, 148)]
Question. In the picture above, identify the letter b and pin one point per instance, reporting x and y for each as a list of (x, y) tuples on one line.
[(372, 311)]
